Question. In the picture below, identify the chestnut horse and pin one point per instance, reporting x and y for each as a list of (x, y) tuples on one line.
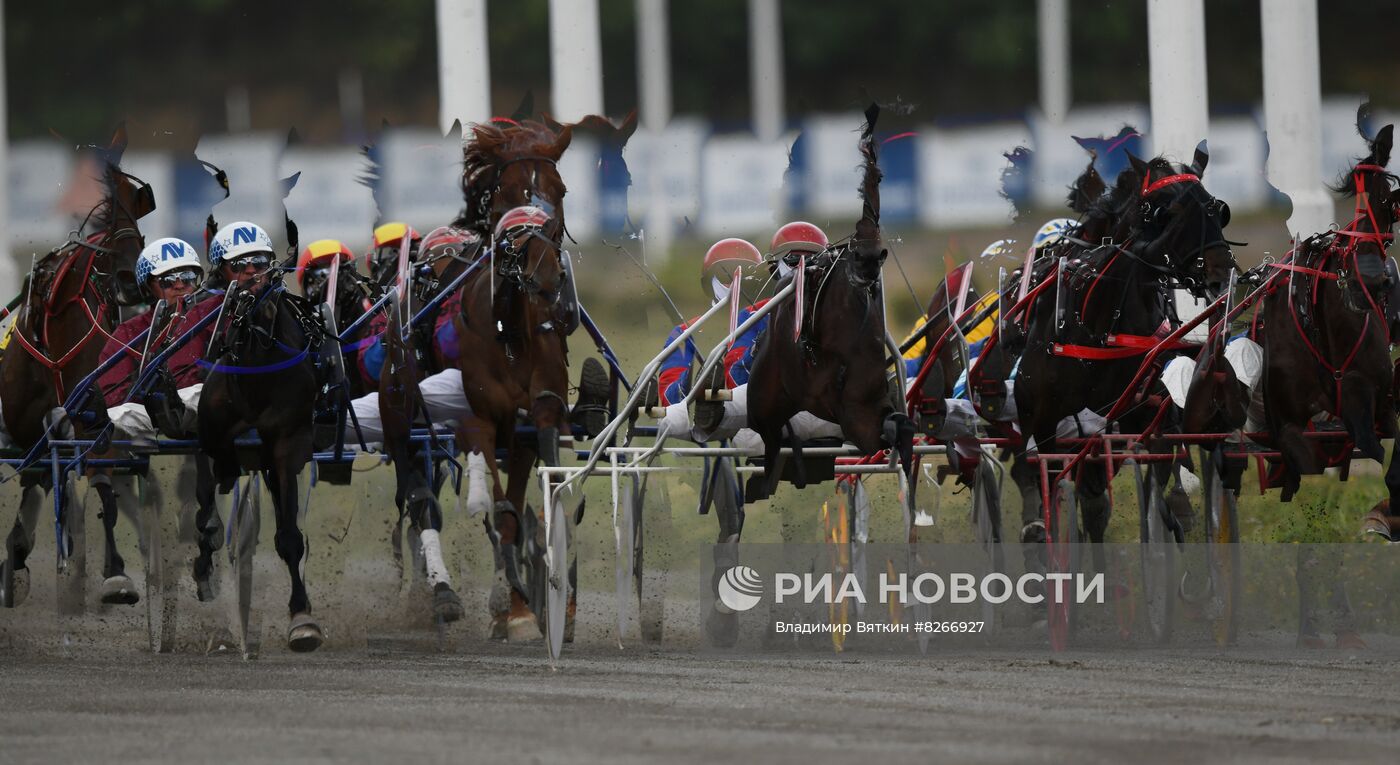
[(71, 305)]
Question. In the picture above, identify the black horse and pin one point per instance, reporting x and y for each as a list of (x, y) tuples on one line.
[(264, 379), (1087, 333)]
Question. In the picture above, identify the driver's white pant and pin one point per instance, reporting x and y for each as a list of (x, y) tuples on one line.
[(132, 420), (442, 394), (734, 424)]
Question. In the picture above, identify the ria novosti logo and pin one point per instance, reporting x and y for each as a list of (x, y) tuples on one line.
[(740, 588)]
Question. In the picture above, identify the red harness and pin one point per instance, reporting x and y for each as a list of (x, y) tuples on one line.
[(53, 305), (1339, 257), (1121, 346)]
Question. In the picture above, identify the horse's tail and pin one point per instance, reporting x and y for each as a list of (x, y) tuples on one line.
[(869, 226)]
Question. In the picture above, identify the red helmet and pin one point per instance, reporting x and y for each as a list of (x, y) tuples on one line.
[(520, 217), (798, 236), (321, 251), (726, 255), (447, 235), (388, 235)]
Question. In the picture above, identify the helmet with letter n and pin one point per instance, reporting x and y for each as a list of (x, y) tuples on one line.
[(239, 240), (168, 256)]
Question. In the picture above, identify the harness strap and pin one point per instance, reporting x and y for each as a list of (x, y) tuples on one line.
[(1303, 270)]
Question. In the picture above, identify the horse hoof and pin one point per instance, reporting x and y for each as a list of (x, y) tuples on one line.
[(1349, 641), (14, 585), (205, 590), (447, 607), (523, 629), (305, 635), (120, 590), (498, 629)]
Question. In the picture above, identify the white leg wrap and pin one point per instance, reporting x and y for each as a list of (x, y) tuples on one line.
[(1188, 480), (132, 420), (478, 498), (432, 557)]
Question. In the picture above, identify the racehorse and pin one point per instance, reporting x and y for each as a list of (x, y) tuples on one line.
[(1325, 330), (264, 378), (1086, 333), (513, 351), (836, 368), (70, 307)]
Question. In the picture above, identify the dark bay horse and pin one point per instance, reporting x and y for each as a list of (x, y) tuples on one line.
[(1087, 333), (837, 367), (71, 305), (264, 378), (1325, 330)]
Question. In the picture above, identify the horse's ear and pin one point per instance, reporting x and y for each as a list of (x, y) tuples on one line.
[(1380, 148), (526, 107), (1198, 165), (628, 127), (566, 134), (211, 227), (118, 143), (555, 126), (1138, 165)]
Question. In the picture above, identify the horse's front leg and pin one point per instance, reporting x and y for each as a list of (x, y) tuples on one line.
[(117, 587), (290, 455), (209, 527)]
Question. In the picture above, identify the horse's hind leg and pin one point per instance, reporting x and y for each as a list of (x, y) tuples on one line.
[(420, 504), (209, 527), (1358, 408), (1095, 509), (14, 574), (117, 587), (721, 622)]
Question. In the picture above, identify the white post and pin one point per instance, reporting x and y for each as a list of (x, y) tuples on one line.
[(654, 64), (1293, 111), (464, 69), (654, 77), (1052, 24), (9, 273), (575, 59), (766, 68), (1176, 31)]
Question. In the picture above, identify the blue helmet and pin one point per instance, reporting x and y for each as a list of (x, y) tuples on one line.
[(164, 255), (236, 240)]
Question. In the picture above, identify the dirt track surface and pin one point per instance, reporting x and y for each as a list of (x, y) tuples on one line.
[(602, 705)]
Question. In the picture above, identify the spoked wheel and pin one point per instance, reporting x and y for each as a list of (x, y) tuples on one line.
[(626, 495), (1158, 556), (72, 560), (836, 534), (162, 594), (986, 524), (1222, 552), (557, 573), (1062, 543), (243, 545)]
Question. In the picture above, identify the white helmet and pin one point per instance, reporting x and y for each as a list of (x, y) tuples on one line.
[(237, 240), (1052, 231), (164, 255), (998, 248)]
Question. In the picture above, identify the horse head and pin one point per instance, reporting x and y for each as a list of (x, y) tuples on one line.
[(1377, 201), (126, 200), (509, 166), (868, 247), (1182, 225)]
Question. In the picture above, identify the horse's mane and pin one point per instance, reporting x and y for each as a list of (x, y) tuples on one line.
[(868, 227), (489, 146), (105, 213), (1379, 154), (1087, 188)]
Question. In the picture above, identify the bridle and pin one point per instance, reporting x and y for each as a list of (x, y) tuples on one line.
[(80, 257), (1188, 270)]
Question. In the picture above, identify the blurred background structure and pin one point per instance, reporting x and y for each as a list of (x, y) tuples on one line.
[(748, 108)]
